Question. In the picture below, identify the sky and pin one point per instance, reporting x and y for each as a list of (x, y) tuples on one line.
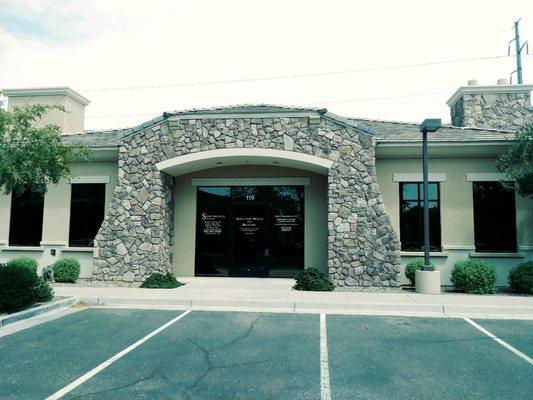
[(392, 60)]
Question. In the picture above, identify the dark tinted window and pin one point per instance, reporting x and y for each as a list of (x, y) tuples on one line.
[(86, 213), (412, 217), (494, 218), (26, 224), (250, 231)]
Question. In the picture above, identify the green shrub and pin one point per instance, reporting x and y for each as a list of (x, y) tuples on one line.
[(474, 276), (24, 262), (411, 268), (313, 279), (20, 287), (66, 270), (43, 291), (521, 278), (160, 281)]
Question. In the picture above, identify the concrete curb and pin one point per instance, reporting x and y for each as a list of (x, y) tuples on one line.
[(32, 312), (337, 307), (380, 307), (487, 310)]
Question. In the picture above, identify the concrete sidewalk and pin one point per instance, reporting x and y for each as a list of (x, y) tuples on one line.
[(276, 295)]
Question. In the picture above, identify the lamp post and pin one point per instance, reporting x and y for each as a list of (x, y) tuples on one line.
[(427, 280)]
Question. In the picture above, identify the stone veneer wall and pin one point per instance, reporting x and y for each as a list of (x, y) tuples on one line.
[(135, 238), (492, 110)]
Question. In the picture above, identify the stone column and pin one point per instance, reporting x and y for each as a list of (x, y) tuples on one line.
[(135, 238)]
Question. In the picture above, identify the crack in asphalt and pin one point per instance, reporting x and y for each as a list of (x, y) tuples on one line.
[(158, 373), (207, 356), (154, 375)]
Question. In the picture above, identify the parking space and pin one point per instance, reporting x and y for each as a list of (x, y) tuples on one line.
[(38, 361), (123, 354), (518, 334), (211, 355), (420, 358)]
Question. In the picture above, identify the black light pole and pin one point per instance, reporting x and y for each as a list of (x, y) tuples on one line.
[(428, 125)]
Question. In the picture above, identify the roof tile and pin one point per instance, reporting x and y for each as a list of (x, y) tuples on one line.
[(385, 131)]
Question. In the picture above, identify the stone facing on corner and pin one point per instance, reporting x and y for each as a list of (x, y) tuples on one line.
[(498, 107), (136, 236)]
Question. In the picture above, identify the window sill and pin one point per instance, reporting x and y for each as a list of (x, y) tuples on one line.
[(496, 255), (22, 248), (78, 249), (421, 254)]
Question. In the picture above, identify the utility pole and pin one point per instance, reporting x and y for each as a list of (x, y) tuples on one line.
[(518, 50)]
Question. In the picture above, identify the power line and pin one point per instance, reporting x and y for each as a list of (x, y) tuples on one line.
[(304, 104), (289, 76), (376, 98)]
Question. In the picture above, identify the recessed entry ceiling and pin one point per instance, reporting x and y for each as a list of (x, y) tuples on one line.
[(188, 163)]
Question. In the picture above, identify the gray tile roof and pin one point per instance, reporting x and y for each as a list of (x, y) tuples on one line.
[(384, 131), (96, 138), (406, 132), (245, 109)]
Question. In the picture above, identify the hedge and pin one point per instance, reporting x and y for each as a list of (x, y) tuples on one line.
[(66, 270), (521, 278), (474, 276), (160, 281), (313, 279), (20, 287), (24, 262)]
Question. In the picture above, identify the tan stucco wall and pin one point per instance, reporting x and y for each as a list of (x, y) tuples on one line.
[(56, 216), (456, 202), (71, 121), (456, 213), (315, 197)]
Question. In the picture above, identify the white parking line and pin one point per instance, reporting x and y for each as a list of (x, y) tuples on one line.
[(107, 363), (325, 390), (497, 339)]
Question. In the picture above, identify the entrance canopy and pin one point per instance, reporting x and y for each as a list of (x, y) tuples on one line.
[(201, 160)]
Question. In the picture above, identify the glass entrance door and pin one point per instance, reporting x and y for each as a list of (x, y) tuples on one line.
[(249, 244), (250, 231)]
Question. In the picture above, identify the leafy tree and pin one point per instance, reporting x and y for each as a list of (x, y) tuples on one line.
[(517, 162), (32, 157)]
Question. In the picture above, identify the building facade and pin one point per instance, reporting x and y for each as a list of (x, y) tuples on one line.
[(267, 190)]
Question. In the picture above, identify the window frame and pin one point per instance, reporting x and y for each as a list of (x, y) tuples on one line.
[(495, 250), (88, 242), (28, 222), (420, 201)]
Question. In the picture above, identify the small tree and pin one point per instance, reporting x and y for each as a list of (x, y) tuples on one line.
[(517, 162), (32, 157)]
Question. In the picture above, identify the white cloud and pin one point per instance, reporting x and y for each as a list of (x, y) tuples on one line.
[(89, 45)]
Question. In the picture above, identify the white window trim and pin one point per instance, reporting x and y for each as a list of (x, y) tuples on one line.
[(457, 247), (496, 255), (53, 243), (417, 177), (301, 181), (91, 179), (421, 254), (77, 250), (23, 248), (484, 177)]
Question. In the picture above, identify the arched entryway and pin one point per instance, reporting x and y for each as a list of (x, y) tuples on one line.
[(140, 229), (249, 213), (187, 163)]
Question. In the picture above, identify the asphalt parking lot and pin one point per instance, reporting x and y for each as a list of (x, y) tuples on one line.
[(101, 353)]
